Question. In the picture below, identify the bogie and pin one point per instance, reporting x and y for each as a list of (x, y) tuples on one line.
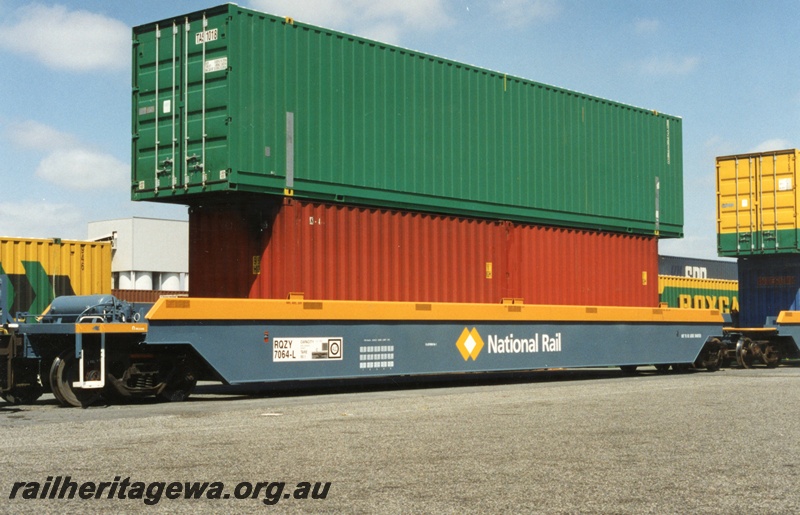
[(64, 372)]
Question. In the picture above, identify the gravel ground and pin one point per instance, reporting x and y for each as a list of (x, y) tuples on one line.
[(569, 442)]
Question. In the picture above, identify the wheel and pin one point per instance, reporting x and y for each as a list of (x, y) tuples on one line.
[(744, 353), (22, 394), (711, 356), (681, 368), (771, 356), (628, 369), (662, 369), (63, 373), (714, 361), (180, 383)]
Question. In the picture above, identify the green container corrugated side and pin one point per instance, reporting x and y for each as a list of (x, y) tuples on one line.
[(233, 100)]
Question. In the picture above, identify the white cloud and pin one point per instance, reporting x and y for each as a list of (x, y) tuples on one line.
[(717, 146), (384, 20), (420, 14), (772, 144), (518, 13), (669, 65), (383, 32), (38, 219), (69, 162), (37, 136), (327, 13), (82, 169), (67, 40)]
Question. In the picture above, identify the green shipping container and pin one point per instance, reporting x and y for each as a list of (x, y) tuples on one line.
[(233, 100)]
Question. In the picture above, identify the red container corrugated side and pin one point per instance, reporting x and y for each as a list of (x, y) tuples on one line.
[(551, 265), (271, 247)]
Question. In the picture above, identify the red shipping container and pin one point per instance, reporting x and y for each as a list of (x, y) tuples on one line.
[(552, 265), (269, 248)]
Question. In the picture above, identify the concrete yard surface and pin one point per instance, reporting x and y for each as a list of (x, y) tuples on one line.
[(554, 442)]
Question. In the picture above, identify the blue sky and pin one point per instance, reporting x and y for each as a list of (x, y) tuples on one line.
[(729, 68)]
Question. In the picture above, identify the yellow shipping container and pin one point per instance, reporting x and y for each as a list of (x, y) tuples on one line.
[(692, 293), (757, 201), (35, 271)]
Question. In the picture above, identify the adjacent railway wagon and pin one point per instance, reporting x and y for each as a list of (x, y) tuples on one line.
[(757, 222), (32, 273), (36, 271)]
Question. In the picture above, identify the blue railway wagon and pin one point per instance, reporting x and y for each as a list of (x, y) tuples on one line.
[(244, 341), (300, 339)]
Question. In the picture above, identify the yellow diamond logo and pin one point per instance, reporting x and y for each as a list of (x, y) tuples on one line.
[(469, 344)]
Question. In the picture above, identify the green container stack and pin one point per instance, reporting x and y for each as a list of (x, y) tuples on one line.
[(231, 100)]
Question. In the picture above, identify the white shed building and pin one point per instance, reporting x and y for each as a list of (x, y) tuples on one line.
[(147, 253)]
